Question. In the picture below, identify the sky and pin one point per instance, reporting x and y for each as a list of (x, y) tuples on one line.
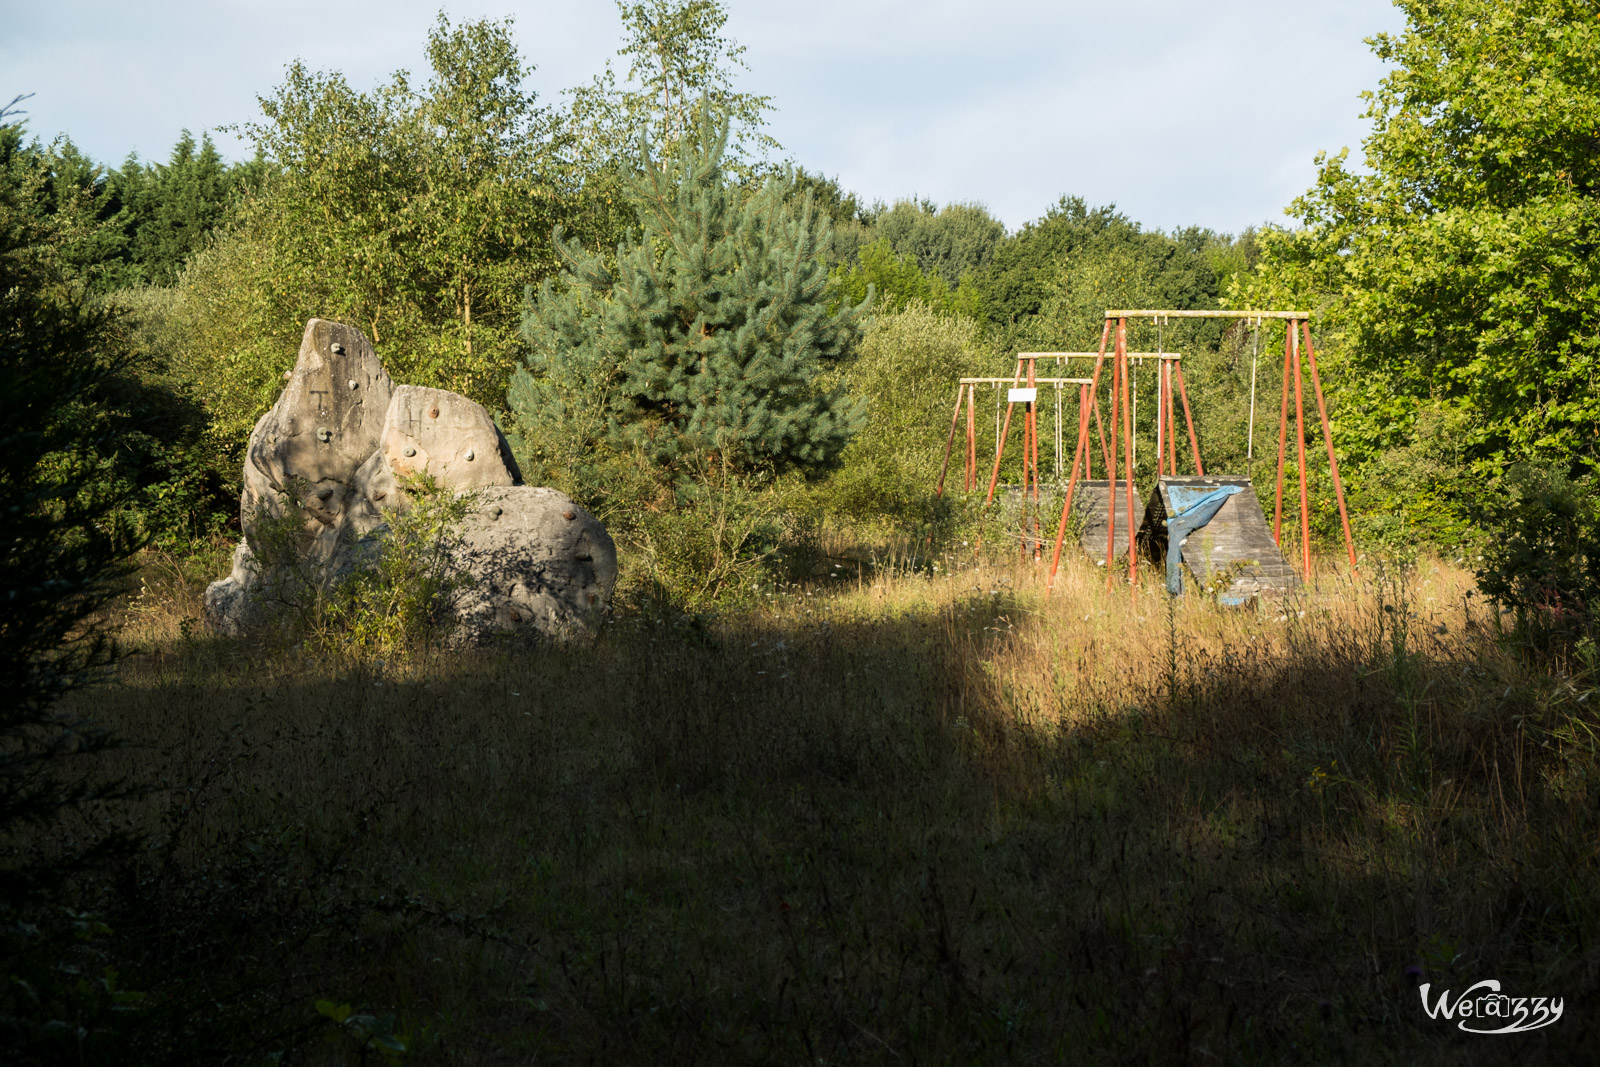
[(1180, 112)]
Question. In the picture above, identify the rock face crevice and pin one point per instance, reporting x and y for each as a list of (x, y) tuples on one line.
[(330, 462)]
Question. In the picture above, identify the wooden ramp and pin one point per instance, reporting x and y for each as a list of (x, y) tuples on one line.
[(1236, 545), (1089, 504)]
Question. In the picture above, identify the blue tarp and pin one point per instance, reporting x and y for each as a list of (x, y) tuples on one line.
[(1192, 507)]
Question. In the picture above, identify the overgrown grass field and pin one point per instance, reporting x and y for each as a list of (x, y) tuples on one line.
[(914, 817)]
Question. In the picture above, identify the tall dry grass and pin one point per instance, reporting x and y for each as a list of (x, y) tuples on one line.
[(887, 817)]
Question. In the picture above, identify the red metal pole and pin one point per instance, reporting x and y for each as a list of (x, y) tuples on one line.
[(1111, 471), (1194, 443), (1080, 457), (972, 438), (1000, 445), (1300, 440), (1327, 439), (1283, 443), (1127, 446), (1172, 423), (949, 442)]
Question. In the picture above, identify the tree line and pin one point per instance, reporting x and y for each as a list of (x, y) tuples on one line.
[(540, 256)]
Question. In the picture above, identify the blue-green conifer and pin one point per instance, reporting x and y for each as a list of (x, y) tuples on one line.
[(702, 343)]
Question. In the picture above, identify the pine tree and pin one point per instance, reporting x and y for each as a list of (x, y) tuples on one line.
[(704, 344), (60, 558), (178, 204)]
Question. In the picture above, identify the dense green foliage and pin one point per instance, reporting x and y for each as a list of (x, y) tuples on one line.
[(416, 214), (1544, 562), (1456, 285), (154, 460), (1457, 270), (949, 241), (135, 226), (61, 558), (681, 66), (668, 383), (904, 371), (172, 208), (702, 344), (61, 549), (896, 279)]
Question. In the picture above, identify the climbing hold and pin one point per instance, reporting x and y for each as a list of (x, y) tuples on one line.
[(410, 452), (336, 348), (324, 494), (495, 512), (352, 383), (469, 456), (379, 495), (324, 434), (569, 516), (433, 413)]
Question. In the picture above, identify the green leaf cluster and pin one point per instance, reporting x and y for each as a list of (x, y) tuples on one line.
[(1456, 272), (1544, 563), (417, 215), (905, 370), (169, 210), (681, 66), (138, 225), (897, 280), (62, 560)]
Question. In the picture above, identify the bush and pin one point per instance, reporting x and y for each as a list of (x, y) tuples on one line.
[(402, 602), (718, 537), (1542, 559), (907, 363), (60, 563), (392, 594)]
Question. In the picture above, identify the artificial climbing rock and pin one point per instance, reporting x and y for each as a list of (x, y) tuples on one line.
[(433, 433), (344, 448), (540, 564)]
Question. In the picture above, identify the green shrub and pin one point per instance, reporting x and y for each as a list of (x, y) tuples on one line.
[(906, 371), (401, 603), (389, 596), (1542, 557), (716, 538)]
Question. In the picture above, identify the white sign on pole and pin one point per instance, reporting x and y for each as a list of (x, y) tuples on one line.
[(1019, 396)]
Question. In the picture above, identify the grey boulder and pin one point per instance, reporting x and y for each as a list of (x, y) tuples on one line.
[(539, 563), (339, 454)]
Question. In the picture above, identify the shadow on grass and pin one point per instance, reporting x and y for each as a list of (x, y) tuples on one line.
[(843, 840)]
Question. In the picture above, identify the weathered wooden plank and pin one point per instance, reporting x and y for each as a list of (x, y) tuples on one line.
[(1089, 504), (1236, 546)]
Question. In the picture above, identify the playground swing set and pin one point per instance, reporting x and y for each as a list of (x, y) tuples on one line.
[(1183, 504)]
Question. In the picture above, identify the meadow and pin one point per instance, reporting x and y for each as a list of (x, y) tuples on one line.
[(905, 814)]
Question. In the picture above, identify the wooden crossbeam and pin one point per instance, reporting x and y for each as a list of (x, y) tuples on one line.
[(1096, 355), (1148, 314), (1037, 381)]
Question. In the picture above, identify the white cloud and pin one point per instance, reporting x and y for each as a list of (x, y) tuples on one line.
[(1181, 113)]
